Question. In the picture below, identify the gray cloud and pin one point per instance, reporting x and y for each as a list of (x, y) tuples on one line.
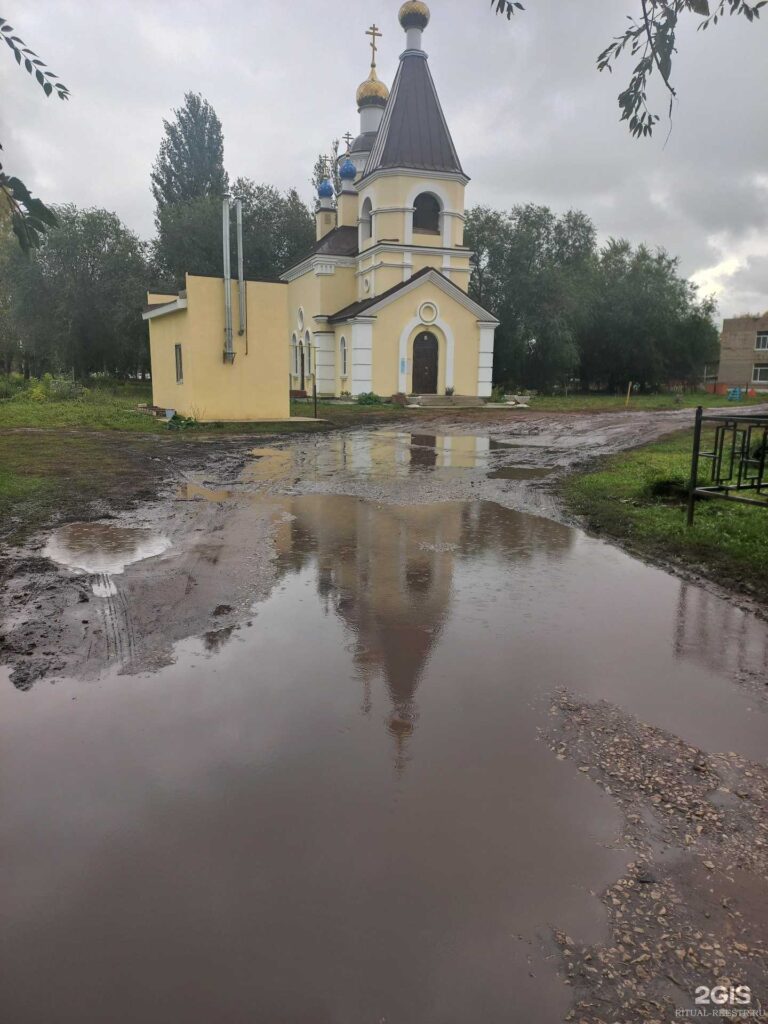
[(532, 118)]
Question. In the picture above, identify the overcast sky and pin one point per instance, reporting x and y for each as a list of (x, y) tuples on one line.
[(531, 117)]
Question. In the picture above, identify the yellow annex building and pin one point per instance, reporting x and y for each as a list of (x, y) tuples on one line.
[(381, 302)]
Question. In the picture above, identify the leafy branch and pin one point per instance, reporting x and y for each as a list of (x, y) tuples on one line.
[(651, 39), (29, 217), (46, 79)]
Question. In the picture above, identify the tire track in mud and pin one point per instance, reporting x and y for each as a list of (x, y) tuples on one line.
[(119, 634)]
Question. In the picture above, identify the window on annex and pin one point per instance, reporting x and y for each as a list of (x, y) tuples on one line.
[(343, 356), (760, 373), (761, 344), (308, 352), (426, 214), (294, 356), (179, 366)]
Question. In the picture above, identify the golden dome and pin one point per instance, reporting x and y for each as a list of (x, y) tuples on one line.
[(372, 93), (414, 14)]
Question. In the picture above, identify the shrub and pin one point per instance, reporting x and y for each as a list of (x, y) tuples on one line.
[(11, 385), (368, 398), (498, 395), (51, 389), (178, 422)]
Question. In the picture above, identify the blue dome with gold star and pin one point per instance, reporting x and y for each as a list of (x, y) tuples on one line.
[(325, 189)]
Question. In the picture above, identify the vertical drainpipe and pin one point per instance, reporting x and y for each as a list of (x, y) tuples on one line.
[(229, 351), (241, 270)]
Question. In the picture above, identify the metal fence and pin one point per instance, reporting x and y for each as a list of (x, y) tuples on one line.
[(737, 460)]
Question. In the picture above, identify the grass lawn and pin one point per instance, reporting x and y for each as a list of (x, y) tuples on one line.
[(728, 542), (118, 411), (48, 475), (617, 403)]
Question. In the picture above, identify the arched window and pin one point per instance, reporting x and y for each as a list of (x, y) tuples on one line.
[(426, 214), (294, 355), (343, 356), (366, 221), (308, 351)]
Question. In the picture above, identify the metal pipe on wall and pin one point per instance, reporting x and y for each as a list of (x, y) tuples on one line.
[(240, 265), (229, 351)]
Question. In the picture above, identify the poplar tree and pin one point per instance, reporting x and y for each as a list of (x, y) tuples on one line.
[(190, 163)]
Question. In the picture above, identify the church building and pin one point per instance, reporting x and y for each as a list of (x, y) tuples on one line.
[(381, 303)]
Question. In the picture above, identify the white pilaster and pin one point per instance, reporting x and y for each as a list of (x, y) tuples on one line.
[(325, 362), (485, 364), (362, 358)]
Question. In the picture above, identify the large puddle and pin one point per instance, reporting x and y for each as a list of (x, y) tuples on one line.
[(387, 455), (340, 812)]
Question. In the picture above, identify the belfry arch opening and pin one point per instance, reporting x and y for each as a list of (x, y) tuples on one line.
[(427, 214), (366, 221)]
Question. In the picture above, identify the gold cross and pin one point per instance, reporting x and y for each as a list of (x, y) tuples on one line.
[(375, 34)]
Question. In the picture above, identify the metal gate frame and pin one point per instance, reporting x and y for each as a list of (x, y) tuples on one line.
[(738, 460)]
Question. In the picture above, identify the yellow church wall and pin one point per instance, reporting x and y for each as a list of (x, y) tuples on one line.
[(395, 317), (316, 295), (393, 193), (255, 386)]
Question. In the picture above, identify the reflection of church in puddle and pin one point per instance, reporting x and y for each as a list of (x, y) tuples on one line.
[(373, 454), (387, 572)]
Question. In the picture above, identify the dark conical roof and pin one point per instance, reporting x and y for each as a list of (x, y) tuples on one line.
[(414, 133)]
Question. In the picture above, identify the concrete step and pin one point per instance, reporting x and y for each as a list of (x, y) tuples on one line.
[(448, 401)]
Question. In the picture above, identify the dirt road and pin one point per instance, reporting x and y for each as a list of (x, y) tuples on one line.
[(356, 727)]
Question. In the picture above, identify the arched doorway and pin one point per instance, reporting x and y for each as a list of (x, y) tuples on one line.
[(425, 349)]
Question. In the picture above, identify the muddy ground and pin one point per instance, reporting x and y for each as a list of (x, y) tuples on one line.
[(692, 906), (202, 494)]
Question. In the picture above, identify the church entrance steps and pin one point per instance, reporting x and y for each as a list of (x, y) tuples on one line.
[(448, 401)]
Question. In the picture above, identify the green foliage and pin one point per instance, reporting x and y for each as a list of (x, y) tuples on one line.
[(50, 389), (567, 309), (278, 230), (11, 385), (645, 323), (29, 217), (650, 39), (46, 79), (75, 304), (190, 164), (533, 270), (369, 398), (178, 422)]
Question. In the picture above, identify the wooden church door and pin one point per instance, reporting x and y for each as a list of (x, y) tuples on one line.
[(425, 364)]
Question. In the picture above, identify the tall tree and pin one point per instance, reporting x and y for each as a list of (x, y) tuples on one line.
[(76, 302), (8, 341), (533, 270), (190, 163), (278, 230), (650, 39), (647, 324)]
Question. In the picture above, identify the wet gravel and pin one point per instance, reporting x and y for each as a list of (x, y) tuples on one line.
[(691, 911)]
